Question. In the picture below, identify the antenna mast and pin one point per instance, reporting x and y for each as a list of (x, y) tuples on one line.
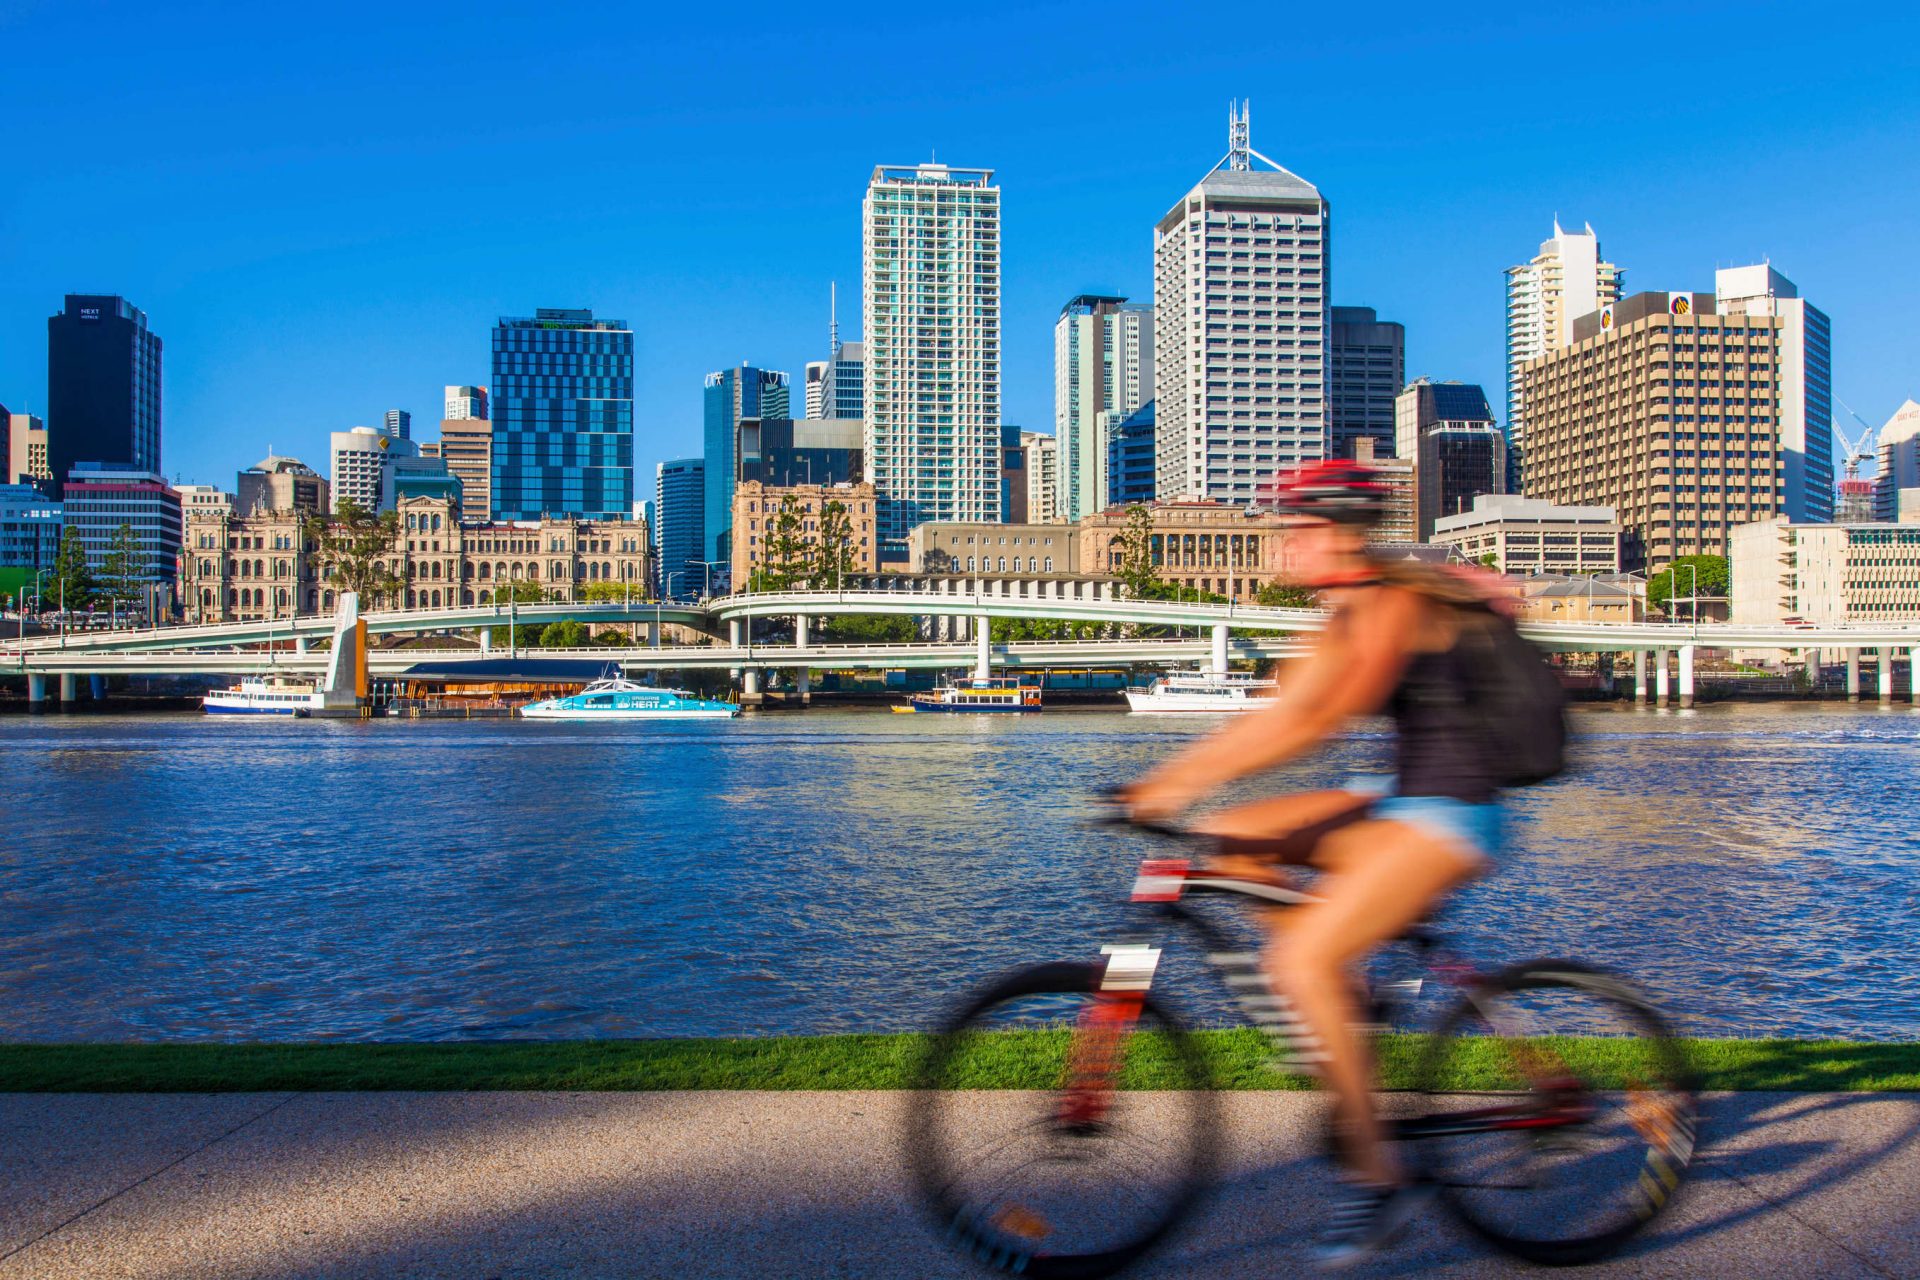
[(833, 317), (1239, 130)]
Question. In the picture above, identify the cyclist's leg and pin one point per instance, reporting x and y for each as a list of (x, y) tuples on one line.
[(1381, 877), (1282, 828)]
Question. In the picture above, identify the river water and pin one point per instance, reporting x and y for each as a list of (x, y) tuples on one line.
[(181, 878)]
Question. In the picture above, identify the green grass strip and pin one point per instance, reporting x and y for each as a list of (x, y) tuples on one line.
[(1237, 1059)]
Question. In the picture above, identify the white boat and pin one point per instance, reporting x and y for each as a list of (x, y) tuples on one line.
[(256, 697), (617, 698), (1202, 692)]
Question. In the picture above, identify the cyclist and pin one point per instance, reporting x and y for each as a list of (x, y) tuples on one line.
[(1395, 644)]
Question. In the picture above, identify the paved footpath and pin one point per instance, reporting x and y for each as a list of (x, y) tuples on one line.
[(478, 1185)]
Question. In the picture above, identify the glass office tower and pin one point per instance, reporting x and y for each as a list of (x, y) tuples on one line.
[(733, 395), (562, 416), (103, 386)]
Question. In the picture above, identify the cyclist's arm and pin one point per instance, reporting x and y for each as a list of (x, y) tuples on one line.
[(1350, 672)]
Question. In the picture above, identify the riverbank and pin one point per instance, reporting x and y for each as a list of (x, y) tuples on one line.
[(1238, 1059)]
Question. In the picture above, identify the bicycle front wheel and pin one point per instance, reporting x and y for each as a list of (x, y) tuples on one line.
[(1057, 1131), (1562, 1113)]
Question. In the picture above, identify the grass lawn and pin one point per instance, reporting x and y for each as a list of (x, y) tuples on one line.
[(1238, 1059)]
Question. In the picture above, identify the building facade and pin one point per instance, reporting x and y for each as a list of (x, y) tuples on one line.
[(732, 396), (1131, 458), (99, 498), (1446, 430), (953, 548), (1013, 474), (1803, 356), (1567, 279), (1240, 329), (1526, 535), (1825, 573), (361, 457), (679, 504), (466, 446), (103, 385), (250, 568), (789, 451), (562, 406), (843, 387), (30, 526), (1669, 414), (1899, 453), (930, 312), (1102, 364), (279, 484), (1223, 548), (1043, 476), (465, 404), (398, 423), (1398, 525), (197, 498), (1366, 368), (757, 508), (816, 375), (27, 458)]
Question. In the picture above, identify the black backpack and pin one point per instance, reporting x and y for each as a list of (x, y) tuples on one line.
[(1518, 698)]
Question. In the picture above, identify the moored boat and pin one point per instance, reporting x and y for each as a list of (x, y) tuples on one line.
[(617, 698), (256, 697), (1202, 692), (1000, 693)]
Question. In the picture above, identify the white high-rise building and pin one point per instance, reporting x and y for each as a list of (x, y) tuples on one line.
[(1567, 279), (466, 404), (1102, 364), (360, 460), (1804, 360), (1239, 329), (930, 309), (1043, 477), (1899, 452)]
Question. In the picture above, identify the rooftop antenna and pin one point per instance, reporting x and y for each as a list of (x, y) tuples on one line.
[(833, 317), (1239, 130)]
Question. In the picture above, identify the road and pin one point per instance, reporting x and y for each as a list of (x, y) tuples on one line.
[(477, 1185)]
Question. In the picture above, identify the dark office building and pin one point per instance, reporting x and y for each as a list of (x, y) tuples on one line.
[(562, 428), (788, 451), (679, 540), (103, 386), (1366, 367), (731, 397), (1446, 430), (1130, 457)]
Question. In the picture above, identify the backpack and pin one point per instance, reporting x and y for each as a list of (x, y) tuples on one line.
[(1518, 698)]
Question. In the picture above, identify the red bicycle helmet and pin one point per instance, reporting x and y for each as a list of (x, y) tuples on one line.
[(1339, 489)]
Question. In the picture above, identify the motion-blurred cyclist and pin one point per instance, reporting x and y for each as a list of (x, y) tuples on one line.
[(1424, 647)]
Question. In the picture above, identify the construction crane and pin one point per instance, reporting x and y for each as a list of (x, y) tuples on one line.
[(1854, 452)]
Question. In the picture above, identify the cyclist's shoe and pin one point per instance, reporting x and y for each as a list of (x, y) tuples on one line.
[(1366, 1220)]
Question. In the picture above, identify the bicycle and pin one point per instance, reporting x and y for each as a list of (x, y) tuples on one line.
[(1555, 1141)]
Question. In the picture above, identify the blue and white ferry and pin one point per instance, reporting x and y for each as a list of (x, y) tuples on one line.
[(617, 698), (265, 698)]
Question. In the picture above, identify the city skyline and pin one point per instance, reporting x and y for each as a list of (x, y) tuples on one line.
[(377, 305)]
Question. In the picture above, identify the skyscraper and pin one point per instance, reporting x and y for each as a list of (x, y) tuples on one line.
[(1803, 349), (1102, 364), (399, 424), (466, 404), (1043, 476), (843, 385), (1446, 430), (103, 386), (1567, 279), (26, 460), (1367, 364), (679, 500), (360, 459), (1130, 456), (930, 312), (1899, 450), (731, 396), (1240, 328), (562, 391), (816, 388)]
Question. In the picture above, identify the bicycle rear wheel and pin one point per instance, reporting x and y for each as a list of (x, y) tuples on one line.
[(1562, 1112), (1059, 1132)]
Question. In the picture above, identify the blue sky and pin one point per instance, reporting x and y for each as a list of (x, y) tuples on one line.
[(323, 209)]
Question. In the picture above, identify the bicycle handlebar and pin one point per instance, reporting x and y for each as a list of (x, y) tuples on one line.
[(1115, 814)]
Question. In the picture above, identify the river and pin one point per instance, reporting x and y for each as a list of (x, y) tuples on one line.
[(187, 878)]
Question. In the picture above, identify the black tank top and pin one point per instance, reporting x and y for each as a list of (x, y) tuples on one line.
[(1442, 744)]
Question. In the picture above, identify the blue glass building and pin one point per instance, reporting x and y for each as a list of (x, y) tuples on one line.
[(1130, 458), (679, 495), (732, 395), (562, 395)]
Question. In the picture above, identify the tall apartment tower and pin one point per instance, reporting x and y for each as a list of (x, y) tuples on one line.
[(679, 504), (103, 386), (1899, 452), (1678, 418), (399, 424), (1567, 279), (562, 436), (731, 396), (1102, 364), (466, 404), (1043, 477), (1240, 328), (816, 388), (1803, 348), (1367, 367), (26, 460), (930, 312)]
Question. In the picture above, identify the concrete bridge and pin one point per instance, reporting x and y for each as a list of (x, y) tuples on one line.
[(955, 615)]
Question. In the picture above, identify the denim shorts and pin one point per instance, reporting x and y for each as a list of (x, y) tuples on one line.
[(1481, 827)]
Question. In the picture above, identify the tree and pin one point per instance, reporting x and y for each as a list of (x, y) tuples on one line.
[(351, 546), (832, 558), (568, 633), (122, 571), (525, 592), (1694, 576), (606, 591), (868, 628), (1285, 595), (784, 548), (70, 581), (1137, 572)]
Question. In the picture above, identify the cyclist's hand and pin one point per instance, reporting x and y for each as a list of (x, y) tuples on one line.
[(1158, 799)]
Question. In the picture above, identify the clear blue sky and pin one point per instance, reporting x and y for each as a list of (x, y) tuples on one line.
[(322, 209)]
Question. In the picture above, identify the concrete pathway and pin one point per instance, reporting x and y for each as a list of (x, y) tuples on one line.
[(276, 1186)]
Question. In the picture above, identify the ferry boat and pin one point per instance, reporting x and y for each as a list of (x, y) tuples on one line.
[(1000, 693), (617, 698), (1201, 692), (255, 697)]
